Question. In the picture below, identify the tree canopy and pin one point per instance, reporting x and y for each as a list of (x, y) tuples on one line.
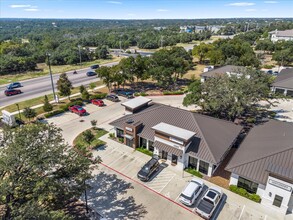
[(64, 85), (39, 173)]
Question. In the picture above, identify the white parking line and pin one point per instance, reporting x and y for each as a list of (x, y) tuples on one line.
[(167, 183), (265, 217), (241, 212), (116, 159), (177, 197)]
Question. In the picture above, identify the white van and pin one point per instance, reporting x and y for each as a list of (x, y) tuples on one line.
[(191, 192)]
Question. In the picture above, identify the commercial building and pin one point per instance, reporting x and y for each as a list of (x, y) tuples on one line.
[(181, 138), (283, 83), (228, 69), (281, 35), (263, 164)]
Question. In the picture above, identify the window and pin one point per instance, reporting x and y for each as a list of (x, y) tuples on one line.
[(250, 186), (278, 201), (203, 167), (280, 91), (120, 133), (192, 163), (151, 148), (143, 142)]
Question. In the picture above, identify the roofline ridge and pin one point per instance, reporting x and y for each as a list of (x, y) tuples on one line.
[(287, 149), (218, 119)]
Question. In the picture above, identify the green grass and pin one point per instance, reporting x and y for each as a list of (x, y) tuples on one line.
[(145, 151), (44, 70), (193, 172), (78, 141), (40, 100)]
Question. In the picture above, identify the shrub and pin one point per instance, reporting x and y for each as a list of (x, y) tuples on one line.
[(145, 151), (81, 89), (53, 113), (121, 140), (29, 113), (47, 105), (268, 66), (173, 92), (98, 96), (112, 135), (88, 136), (244, 193), (92, 85), (193, 172), (85, 95)]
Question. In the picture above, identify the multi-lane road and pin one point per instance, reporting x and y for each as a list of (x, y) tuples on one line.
[(40, 86)]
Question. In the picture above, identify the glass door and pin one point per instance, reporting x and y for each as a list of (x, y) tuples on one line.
[(129, 142), (164, 155), (174, 159)]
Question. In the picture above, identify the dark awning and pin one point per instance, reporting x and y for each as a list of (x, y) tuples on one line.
[(168, 148)]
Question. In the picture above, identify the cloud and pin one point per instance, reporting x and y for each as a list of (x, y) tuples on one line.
[(250, 9), (31, 9), (162, 10), (241, 4), (114, 2), (130, 14), (271, 2), (20, 6)]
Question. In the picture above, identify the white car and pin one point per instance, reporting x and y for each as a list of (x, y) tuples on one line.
[(191, 192)]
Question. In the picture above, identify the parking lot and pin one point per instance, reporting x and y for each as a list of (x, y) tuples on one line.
[(166, 186)]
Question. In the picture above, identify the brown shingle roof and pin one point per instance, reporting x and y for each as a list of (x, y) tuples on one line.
[(223, 70), (215, 135), (284, 79), (266, 144)]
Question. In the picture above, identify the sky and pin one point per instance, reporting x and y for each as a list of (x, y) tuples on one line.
[(145, 9)]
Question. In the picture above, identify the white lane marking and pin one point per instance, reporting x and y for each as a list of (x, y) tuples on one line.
[(265, 217), (177, 197), (114, 161), (241, 212), (167, 183)]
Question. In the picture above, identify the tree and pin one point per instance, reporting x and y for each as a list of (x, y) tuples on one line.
[(106, 75), (230, 97), (29, 113), (39, 172), (284, 57), (47, 105), (64, 85), (88, 136), (201, 51), (81, 89), (94, 123), (85, 95)]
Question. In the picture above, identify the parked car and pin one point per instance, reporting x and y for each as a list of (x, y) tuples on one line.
[(14, 85), (270, 72), (275, 73), (191, 192), (98, 102), (9, 92), (91, 73), (127, 94), (95, 66), (77, 110), (209, 202), (113, 98), (148, 169)]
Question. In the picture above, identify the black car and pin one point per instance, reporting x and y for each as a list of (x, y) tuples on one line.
[(148, 169), (113, 98), (91, 73), (96, 66)]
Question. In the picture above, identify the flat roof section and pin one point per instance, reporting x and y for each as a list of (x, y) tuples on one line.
[(136, 102), (174, 131)]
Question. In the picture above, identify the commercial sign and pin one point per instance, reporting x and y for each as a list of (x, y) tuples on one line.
[(280, 185), (8, 118), (128, 129)]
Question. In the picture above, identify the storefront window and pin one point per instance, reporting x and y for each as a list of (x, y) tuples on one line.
[(120, 133), (203, 167), (143, 142), (192, 162), (278, 201), (250, 186)]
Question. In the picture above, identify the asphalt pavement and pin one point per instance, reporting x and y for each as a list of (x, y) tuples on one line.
[(40, 86)]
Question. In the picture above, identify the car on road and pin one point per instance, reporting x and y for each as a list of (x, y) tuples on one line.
[(98, 102), (77, 110), (209, 202), (9, 92), (191, 192), (95, 66), (113, 98), (91, 73), (148, 169), (14, 85)]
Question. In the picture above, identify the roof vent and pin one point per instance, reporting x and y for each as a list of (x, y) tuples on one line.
[(129, 121)]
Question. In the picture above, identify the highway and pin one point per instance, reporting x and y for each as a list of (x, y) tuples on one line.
[(40, 86)]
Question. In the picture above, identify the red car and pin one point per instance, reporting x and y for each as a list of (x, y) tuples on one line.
[(98, 102), (77, 110), (9, 92)]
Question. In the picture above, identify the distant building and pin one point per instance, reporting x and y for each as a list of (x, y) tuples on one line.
[(283, 83), (186, 29), (281, 35), (263, 164)]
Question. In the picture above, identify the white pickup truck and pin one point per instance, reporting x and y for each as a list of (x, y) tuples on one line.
[(209, 202)]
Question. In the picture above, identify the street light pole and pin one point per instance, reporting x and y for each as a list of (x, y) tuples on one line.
[(51, 76), (18, 111), (79, 54)]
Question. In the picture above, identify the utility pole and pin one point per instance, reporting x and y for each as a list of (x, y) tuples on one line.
[(19, 115), (51, 76), (79, 54)]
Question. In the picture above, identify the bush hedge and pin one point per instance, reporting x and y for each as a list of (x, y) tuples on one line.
[(244, 193), (140, 94), (193, 172), (173, 92), (53, 113), (145, 151), (98, 96), (74, 102)]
